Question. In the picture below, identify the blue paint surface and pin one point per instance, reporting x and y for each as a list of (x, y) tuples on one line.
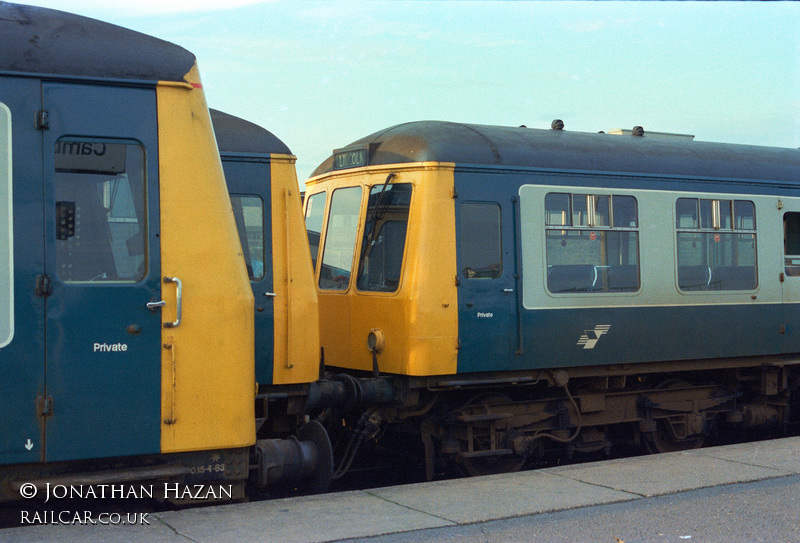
[(105, 401), (497, 334)]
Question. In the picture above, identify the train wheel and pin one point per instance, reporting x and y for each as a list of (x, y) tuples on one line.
[(663, 439)]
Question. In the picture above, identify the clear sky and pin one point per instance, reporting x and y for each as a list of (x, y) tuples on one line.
[(321, 74)]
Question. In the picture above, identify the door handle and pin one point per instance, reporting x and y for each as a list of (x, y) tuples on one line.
[(179, 302), (508, 290)]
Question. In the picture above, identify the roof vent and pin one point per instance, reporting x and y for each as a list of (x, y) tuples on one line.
[(557, 124), (639, 131)]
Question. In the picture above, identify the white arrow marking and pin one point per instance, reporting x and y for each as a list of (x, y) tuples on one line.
[(29, 444)]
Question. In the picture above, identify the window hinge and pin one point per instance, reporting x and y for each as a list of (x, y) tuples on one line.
[(458, 281), (42, 121), (453, 192), (44, 286), (44, 406)]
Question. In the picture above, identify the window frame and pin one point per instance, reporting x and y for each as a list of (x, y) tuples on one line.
[(327, 234), (361, 247), (462, 255), (138, 192), (6, 225), (323, 223), (248, 253), (597, 280), (791, 261), (712, 228)]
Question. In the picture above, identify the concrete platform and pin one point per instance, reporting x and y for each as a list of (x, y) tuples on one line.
[(355, 514)]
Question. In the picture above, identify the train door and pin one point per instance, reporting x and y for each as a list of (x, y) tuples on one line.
[(790, 276), (102, 392), (249, 183), (21, 260), (487, 297)]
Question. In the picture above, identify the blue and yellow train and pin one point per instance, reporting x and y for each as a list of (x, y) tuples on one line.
[(488, 293), (131, 344), (538, 289)]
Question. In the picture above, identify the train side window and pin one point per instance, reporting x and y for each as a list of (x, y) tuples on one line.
[(716, 244), (592, 243), (791, 243), (100, 210), (315, 212), (7, 227), (626, 213), (687, 213), (384, 240), (249, 214), (340, 239), (706, 213), (580, 209), (558, 209), (479, 240)]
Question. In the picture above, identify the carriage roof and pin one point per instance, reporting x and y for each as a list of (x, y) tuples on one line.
[(521, 147), (45, 41), (236, 135)]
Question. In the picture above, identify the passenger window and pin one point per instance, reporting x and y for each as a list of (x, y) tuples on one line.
[(340, 239), (706, 214), (101, 223), (598, 249), (249, 214), (384, 240), (315, 212), (7, 227), (726, 214), (479, 241), (625, 212), (687, 213), (600, 213), (718, 251), (744, 213), (557, 206), (580, 210), (791, 243)]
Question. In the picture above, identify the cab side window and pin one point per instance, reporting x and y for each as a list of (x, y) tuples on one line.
[(479, 241), (249, 214), (384, 240), (340, 239), (100, 211), (315, 213)]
